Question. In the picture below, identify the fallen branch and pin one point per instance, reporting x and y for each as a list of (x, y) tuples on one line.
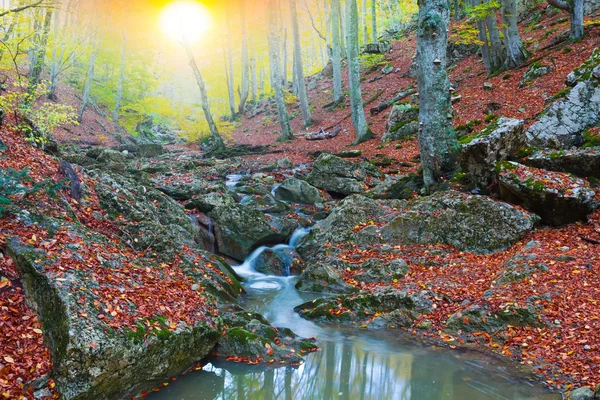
[(376, 110), (586, 239), (322, 134), (67, 170)]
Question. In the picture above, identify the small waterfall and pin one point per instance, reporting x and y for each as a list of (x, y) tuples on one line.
[(233, 180), (206, 228), (246, 269)]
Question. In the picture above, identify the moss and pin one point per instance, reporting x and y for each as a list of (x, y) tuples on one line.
[(468, 69), (561, 94), (590, 139), (506, 76), (491, 118), (505, 166), (556, 154), (525, 151), (401, 125), (242, 336)]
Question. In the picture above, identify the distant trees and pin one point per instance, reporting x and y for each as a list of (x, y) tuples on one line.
[(245, 66), (437, 139), (363, 133), (500, 52)]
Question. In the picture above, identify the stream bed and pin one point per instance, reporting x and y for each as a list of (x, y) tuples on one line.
[(352, 364)]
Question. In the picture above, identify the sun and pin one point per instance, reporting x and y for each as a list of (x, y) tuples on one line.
[(185, 20)]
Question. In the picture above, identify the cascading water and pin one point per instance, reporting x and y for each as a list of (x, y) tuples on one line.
[(353, 364)]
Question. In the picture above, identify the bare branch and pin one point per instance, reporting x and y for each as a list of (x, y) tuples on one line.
[(560, 4), (38, 3), (312, 21)]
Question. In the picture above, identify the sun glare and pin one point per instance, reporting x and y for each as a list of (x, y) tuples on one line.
[(185, 20)]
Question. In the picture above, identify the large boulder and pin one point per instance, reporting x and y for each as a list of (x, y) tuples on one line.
[(563, 125), (557, 197), (266, 203), (240, 229), (495, 143), (341, 177), (381, 47), (396, 187), (467, 222), (376, 270), (298, 191), (277, 261), (477, 318), (323, 278), (360, 307), (81, 306), (402, 122), (581, 162), (147, 217), (207, 202)]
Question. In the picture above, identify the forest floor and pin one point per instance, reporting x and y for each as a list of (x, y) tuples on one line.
[(566, 354)]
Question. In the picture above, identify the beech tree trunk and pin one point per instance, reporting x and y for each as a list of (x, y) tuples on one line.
[(483, 37), (575, 9), (374, 20), (40, 54), (363, 18), (496, 46), (515, 52), (363, 133), (274, 48), (245, 68), (253, 74), (90, 75), (121, 79), (437, 139), (298, 67), (218, 143), (336, 57)]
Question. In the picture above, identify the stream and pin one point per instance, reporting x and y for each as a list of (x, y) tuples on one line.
[(352, 364)]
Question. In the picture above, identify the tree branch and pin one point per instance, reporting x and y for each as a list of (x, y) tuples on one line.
[(560, 4), (22, 8), (312, 22)]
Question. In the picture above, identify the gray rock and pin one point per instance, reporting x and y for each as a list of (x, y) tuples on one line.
[(278, 262), (563, 125), (341, 177), (240, 229), (266, 203), (357, 308), (377, 270), (477, 318), (208, 202), (581, 162), (582, 393), (535, 71), (381, 47), (322, 278), (298, 191), (402, 122), (520, 266), (473, 223), (487, 86), (557, 197), (493, 144), (396, 187)]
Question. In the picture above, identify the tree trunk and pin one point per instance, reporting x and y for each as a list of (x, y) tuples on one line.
[(254, 95), (245, 69), (218, 141), (336, 58), (284, 71), (374, 20), (229, 72), (577, 20), (496, 46), (483, 37), (298, 68), (359, 121), (363, 19), (515, 52), (41, 46), (437, 140), (274, 48), (575, 9), (121, 79), (90, 76)]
